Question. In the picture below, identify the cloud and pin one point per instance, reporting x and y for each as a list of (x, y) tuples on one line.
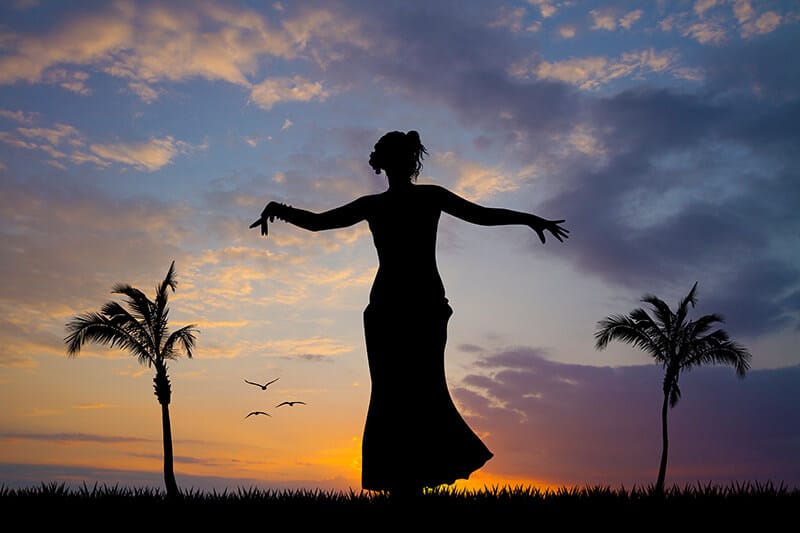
[(65, 438), (576, 424), (716, 21), (567, 32), (64, 143), (23, 117), (295, 89), (649, 203), (706, 32), (474, 181), (510, 18), (608, 19), (23, 5), (547, 8), (24, 476), (149, 156), (630, 18), (52, 135), (70, 244), (74, 81), (603, 19), (765, 23), (591, 73), (150, 42)]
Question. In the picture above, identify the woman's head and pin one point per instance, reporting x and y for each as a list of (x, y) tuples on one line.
[(398, 153)]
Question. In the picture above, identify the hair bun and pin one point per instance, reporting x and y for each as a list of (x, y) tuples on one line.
[(414, 136)]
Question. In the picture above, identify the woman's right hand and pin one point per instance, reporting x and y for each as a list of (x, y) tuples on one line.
[(268, 214)]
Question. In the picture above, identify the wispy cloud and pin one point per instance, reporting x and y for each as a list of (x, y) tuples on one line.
[(473, 180), (64, 143), (295, 89), (609, 19), (150, 155), (715, 22), (591, 73), (66, 438), (513, 19), (23, 117), (547, 8), (149, 43)]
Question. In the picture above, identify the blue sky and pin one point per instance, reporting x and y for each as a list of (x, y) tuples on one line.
[(137, 133)]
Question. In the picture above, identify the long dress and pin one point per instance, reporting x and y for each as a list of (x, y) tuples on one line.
[(414, 435)]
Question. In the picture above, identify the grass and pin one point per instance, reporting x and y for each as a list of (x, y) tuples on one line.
[(737, 505)]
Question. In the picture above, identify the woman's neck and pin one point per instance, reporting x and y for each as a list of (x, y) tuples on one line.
[(399, 182)]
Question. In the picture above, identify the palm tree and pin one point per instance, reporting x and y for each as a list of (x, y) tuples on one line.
[(140, 329), (678, 344)]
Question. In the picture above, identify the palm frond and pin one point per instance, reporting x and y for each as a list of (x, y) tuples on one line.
[(661, 310), (97, 328), (141, 306), (185, 337), (698, 327), (140, 327), (623, 328), (653, 329), (717, 349), (162, 297), (169, 282), (683, 305), (123, 319)]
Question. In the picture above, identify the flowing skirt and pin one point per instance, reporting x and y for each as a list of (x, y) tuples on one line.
[(413, 436)]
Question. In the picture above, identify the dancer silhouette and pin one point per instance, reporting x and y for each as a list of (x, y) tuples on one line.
[(414, 437)]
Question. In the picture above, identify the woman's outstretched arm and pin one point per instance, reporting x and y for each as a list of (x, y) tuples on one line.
[(462, 208), (339, 217)]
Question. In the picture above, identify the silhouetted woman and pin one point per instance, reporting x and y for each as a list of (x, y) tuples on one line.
[(414, 437)]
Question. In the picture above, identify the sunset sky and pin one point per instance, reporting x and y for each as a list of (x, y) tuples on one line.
[(133, 134)]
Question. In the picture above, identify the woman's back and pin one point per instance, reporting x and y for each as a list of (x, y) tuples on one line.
[(404, 222)]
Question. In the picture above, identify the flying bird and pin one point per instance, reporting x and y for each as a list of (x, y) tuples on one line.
[(257, 413), (289, 403), (265, 385)]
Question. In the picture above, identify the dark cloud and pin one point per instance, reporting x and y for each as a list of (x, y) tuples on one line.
[(72, 437), (760, 302), (23, 476), (692, 183), (470, 348), (757, 66), (577, 424)]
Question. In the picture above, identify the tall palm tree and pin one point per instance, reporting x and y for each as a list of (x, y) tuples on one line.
[(140, 329), (676, 343)]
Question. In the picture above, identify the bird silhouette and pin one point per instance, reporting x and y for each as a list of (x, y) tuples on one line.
[(290, 403), (257, 413), (265, 385)]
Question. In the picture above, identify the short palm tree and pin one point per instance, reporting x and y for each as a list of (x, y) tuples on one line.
[(140, 329), (676, 343)]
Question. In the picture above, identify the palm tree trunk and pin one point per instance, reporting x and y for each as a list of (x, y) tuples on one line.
[(662, 469), (163, 392), (169, 473)]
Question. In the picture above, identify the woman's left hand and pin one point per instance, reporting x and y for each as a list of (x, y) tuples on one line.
[(553, 226)]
